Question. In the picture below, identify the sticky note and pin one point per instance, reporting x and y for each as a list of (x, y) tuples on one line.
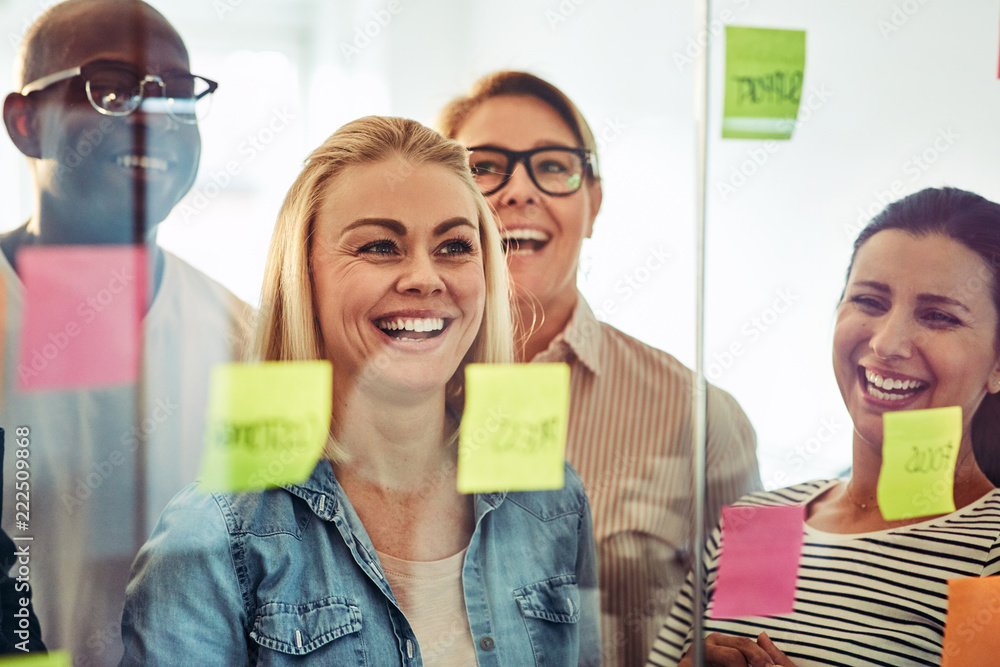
[(82, 316), (513, 431), (759, 562), (3, 333), (919, 450), (970, 630), (50, 659), (267, 424), (764, 73)]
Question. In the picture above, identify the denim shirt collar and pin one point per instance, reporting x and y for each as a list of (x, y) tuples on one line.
[(324, 495)]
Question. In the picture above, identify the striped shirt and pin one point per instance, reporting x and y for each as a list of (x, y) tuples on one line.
[(630, 434), (875, 598)]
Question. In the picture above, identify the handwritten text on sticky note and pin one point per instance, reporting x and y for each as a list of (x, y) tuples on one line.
[(764, 73), (267, 424), (919, 450), (513, 431), (759, 563), (82, 316)]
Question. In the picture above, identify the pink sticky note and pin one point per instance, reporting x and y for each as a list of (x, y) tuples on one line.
[(83, 308), (759, 563)]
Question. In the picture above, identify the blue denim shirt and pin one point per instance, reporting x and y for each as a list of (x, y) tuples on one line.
[(289, 576)]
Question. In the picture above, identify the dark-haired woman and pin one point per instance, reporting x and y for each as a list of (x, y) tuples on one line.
[(917, 327)]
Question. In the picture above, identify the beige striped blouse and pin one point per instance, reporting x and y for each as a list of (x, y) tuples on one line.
[(630, 432)]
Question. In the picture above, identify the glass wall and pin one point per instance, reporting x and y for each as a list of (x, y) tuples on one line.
[(898, 96)]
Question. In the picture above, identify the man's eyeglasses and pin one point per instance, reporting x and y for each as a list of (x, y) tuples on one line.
[(555, 170), (118, 89)]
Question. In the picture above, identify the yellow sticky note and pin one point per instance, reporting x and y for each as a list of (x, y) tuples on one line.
[(919, 450), (513, 432), (267, 424), (764, 73), (970, 631), (50, 659)]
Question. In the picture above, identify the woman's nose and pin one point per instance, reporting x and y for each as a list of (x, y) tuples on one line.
[(519, 190), (420, 275), (893, 336)]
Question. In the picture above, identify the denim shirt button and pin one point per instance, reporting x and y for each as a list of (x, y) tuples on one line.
[(487, 643)]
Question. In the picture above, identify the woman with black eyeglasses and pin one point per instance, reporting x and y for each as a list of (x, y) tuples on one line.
[(535, 158)]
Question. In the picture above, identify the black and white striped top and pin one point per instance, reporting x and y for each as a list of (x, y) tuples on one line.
[(864, 599)]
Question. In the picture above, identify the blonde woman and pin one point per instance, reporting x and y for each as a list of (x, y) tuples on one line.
[(385, 261)]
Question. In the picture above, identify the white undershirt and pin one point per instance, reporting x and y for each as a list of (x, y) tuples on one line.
[(430, 595)]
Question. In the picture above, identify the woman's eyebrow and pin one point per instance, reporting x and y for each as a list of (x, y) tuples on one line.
[(941, 299), (925, 297), (875, 285), (447, 225), (394, 226)]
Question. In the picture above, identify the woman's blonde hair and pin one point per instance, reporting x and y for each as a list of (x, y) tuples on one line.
[(288, 328)]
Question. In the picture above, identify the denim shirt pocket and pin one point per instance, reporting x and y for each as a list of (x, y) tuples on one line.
[(327, 630), (551, 611)]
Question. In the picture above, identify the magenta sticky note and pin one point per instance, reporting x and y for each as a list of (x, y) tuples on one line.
[(83, 308), (759, 562)]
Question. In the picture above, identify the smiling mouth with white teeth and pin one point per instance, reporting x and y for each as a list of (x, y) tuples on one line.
[(889, 389), (412, 328), (523, 241), (146, 162)]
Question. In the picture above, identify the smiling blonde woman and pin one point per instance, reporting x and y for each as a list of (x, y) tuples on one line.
[(385, 261)]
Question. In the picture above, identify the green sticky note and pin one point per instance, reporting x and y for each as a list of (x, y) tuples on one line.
[(919, 450), (513, 431), (764, 73), (267, 424), (50, 659)]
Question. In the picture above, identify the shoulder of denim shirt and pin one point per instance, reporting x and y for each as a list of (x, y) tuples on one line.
[(556, 503), (286, 509)]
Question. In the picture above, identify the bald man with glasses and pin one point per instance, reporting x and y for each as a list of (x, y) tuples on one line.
[(106, 112)]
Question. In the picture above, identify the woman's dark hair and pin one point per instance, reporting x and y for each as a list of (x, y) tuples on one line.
[(974, 222)]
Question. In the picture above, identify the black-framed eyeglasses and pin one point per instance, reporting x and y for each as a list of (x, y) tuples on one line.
[(555, 170), (117, 89)]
